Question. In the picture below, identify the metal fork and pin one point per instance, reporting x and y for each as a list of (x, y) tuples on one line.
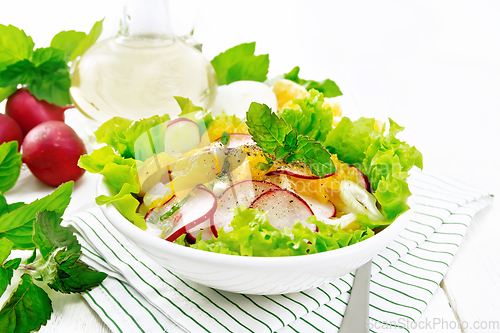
[(356, 314)]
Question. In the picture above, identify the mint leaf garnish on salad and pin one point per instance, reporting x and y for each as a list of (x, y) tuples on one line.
[(275, 136)]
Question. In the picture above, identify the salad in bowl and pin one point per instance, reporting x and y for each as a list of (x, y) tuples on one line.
[(278, 201)]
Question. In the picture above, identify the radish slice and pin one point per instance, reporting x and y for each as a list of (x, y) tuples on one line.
[(198, 209), (240, 194), (205, 228), (284, 209), (181, 135), (362, 179), (323, 211), (297, 173), (153, 216), (238, 139), (359, 200)]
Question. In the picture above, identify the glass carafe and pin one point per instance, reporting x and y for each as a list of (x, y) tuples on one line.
[(137, 73)]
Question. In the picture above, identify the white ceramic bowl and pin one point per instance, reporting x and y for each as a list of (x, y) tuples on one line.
[(253, 275)]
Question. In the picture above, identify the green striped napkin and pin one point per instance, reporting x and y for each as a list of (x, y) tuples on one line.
[(141, 296)]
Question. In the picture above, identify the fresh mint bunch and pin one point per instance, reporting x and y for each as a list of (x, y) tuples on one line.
[(55, 260), (44, 71)]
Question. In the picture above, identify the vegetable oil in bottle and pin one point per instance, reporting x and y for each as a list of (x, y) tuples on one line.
[(137, 74)]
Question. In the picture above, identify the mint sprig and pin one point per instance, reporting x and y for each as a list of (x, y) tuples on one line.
[(276, 137), (57, 264)]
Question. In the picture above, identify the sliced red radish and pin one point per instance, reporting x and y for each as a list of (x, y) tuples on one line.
[(321, 210), (198, 209), (154, 214), (362, 179), (205, 228), (238, 139), (181, 135), (240, 194), (284, 208), (297, 172)]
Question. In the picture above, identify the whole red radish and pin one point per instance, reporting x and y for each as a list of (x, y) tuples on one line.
[(10, 130), (28, 111), (51, 151)]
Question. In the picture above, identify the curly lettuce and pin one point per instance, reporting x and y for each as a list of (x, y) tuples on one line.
[(122, 135), (253, 235), (385, 160), (312, 119), (120, 174)]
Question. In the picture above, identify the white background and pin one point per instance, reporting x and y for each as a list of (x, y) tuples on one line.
[(432, 66)]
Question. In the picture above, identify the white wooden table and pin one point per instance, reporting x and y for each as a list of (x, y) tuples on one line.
[(434, 67)]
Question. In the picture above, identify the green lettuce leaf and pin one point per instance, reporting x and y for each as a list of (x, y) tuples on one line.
[(253, 235), (240, 63), (311, 120), (28, 308), (10, 165), (122, 135), (121, 175), (327, 87), (385, 160)]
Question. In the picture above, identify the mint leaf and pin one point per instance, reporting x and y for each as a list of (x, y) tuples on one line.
[(7, 91), (17, 225), (14, 46), (267, 129), (28, 308), (49, 235), (21, 72), (5, 248), (239, 63), (53, 87), (68, 41), (275, 136), (74, 276), (10, 165), (88, 41), (327, 87), (70, 275), (7, 268)]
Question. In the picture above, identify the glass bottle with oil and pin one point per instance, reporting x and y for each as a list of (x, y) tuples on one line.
[(137, 73)]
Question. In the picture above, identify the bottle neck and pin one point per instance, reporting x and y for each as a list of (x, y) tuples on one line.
[(147, 21)]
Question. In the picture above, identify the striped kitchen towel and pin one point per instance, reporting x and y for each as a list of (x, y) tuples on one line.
[(141, 296)]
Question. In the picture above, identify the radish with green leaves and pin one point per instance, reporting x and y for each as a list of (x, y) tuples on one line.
[(43, 73)]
